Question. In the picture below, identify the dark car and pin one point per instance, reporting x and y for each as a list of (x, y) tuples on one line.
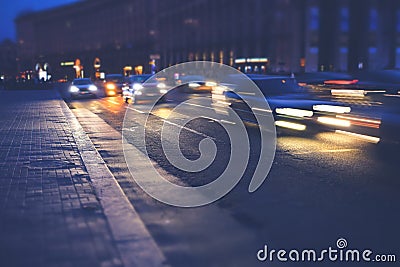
[(296, 108), (82, 87), (114, 84)]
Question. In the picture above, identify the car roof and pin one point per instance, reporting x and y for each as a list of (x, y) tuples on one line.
[(141, 75), (82, 80)]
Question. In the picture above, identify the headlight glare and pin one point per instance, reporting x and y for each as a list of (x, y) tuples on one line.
[(92, 88), (74, 89), (137, 86), (161, 85), (110, 86)]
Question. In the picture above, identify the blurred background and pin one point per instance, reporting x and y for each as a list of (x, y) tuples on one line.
[(86, 38)]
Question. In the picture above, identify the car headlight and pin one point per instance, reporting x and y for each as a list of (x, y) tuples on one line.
[(163, 91), (137, 86), (138, 92), (194, 85), (211, 84), (73, 89), (92, 88), (110, 86), (161, 85)]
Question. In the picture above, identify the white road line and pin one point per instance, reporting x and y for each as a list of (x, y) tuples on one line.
[(343, 150), (188, 129), (139, 111), (175, 124), (114, 102)]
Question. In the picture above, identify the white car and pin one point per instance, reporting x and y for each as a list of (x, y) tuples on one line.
[(82, 87), (144, 87)]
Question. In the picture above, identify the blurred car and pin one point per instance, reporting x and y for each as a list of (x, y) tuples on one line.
[(295, 108), (390, 126), (319, 78), (114, 83), (144, 87), (190, 90), (82, 87)]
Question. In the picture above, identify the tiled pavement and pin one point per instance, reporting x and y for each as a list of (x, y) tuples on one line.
[(49, 213)]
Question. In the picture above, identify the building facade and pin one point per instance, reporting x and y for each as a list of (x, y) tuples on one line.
[(290, 35), (8, 59), (116, 32)]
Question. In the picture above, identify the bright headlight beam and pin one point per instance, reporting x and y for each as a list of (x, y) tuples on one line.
[(291, 125), (334, 121), (194, 85), (368, 138), (92, 88), (367, 122), (331, 108), (74, 89), (294, 112), (110, 86), (137, 86), (161, 86), (262, 110), (210, 84), (352, 93)]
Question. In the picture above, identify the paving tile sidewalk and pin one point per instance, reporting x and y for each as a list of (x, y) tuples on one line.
[(49, 213)]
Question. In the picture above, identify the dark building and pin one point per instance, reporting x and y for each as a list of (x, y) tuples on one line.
[(117, 32), (8, 58), (284, 35), (225, 30)]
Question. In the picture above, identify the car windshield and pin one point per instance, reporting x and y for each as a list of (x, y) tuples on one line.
[(139, 78), (82, 82), (115, 78)]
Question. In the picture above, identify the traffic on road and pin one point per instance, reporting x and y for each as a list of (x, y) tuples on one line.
[(334, 167)]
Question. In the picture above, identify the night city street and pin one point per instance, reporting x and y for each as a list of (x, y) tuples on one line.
[(139, 133)]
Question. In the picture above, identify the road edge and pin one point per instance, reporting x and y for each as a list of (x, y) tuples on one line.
[(134, 242)]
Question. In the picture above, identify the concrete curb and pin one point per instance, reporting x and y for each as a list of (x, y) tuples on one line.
[(134, 242)]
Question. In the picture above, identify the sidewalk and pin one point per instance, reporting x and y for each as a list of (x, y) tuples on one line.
[(49, 212)]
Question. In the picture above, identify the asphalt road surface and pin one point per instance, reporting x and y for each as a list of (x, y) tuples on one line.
[(321, 187)]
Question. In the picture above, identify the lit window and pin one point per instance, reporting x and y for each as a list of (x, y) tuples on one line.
[(314, 50), (372, 50), (344, 19), (314, 18)]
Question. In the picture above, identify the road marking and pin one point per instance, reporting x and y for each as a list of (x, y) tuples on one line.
[(188, 129), (339, 150), (114, 102), (175, 124), (196, 105), (134, 109)]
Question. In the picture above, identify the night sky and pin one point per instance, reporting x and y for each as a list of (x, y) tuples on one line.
[(11, 8)]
